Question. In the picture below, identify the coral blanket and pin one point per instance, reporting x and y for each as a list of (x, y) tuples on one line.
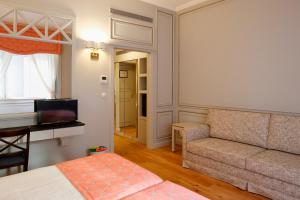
[(107, 176), (166, 191)]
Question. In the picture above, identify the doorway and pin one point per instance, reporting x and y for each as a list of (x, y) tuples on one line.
[(126, 99), (130, 76)]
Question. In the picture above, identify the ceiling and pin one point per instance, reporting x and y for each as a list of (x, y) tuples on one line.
[(175, 5)]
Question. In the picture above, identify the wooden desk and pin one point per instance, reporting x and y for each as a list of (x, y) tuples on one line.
[(52, 131)]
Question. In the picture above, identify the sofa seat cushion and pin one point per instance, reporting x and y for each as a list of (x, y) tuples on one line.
[(276, 164), (284, 133), (245, 127), (228, 152)]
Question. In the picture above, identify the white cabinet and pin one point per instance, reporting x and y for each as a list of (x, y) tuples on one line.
[(50, 134), (67, 132), (142, 99), (55, 133), (40, 135)]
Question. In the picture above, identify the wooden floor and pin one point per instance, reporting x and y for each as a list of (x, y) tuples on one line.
[(167, 165), (129, 132)]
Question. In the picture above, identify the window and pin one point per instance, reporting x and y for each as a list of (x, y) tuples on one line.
[(28, 76)]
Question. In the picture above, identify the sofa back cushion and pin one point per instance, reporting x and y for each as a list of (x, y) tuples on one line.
[(245, 127), (284, 133)]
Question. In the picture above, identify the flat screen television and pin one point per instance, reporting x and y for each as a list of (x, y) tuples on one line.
[(56, 110)]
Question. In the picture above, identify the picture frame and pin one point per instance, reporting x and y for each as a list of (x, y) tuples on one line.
[(123, 74)]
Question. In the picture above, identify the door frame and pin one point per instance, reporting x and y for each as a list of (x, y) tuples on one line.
[(150, 87)]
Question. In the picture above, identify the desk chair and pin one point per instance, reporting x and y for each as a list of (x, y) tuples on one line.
[(9, 139)]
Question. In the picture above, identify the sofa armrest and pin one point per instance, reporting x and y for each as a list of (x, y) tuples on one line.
[(191, 134)]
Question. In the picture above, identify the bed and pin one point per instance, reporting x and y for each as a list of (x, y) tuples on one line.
[(106, 177)]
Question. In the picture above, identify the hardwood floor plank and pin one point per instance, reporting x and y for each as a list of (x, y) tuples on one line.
[(167, 165)]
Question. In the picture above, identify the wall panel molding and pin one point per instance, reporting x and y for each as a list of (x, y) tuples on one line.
[(165, 60), (180, 14), (192, 116), (164, 122), (210, 66), (203, 110), (131, 32)]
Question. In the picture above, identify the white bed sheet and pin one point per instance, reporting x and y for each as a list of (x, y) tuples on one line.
[(46, 183)]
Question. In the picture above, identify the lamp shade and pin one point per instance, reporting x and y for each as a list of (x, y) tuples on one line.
[(94, 45), (99, 45), (90, 44)]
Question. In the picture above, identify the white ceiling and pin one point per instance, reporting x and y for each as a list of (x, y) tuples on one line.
[(175, 5)]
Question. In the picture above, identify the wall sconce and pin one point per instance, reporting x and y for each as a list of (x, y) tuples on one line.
[(95, 47)]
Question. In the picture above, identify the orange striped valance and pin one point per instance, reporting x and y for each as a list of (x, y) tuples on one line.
[(25, 47)]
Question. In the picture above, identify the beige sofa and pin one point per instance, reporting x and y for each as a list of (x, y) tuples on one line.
[(258, 152)]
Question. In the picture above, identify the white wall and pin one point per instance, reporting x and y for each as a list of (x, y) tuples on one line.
[(92, 23), (240, 53)]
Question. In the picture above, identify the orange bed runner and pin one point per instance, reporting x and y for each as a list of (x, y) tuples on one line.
[(166, 191), (107, 176)]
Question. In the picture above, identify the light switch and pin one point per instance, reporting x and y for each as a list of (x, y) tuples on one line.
[(103, 79), (103, 94)]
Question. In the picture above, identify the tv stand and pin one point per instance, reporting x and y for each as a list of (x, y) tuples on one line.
[(41, 127), (53, 131)]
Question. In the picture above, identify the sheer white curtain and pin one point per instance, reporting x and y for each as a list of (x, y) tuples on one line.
[(5, 59), (46, 67), (28, 76)]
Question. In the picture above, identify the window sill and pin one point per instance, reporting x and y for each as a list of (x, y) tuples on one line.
[(16, 106), (9, 101)]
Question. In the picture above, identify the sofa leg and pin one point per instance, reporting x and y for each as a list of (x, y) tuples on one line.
[(185, 165)]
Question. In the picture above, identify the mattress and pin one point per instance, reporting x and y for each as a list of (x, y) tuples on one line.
[(46, 183), (106, 177)]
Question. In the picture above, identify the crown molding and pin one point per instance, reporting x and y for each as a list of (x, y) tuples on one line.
[(189, 4)]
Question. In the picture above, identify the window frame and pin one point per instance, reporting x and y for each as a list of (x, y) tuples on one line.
[(58, 86)]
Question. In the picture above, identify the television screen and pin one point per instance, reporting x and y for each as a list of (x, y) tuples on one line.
[(56, 110)]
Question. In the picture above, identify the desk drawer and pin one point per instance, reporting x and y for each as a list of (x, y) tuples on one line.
[(41, 135), (66, 132)]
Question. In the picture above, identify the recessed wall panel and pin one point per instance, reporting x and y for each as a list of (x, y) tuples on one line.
[(131, 32), (165, 59), (241, 54), (164, 124)]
